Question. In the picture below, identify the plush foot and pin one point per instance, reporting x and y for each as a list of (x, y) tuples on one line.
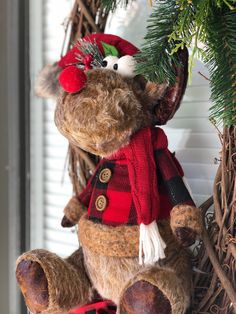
[(155, 291), (34, 285), (53, 285), (144, 298)]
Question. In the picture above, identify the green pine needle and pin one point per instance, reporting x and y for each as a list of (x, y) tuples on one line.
[(221, 59), (156, 60), (111, 5), (174, 24)]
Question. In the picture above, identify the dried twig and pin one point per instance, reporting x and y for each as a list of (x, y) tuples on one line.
[(219, 296), (226, 284)]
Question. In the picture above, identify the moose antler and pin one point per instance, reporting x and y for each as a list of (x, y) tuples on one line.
[(170, 102)]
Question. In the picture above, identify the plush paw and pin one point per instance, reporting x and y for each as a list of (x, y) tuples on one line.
[(185, 236), (186, 223), (73, 211)]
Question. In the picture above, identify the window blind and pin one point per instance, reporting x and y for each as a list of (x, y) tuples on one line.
[(51, 187), (194, 138)]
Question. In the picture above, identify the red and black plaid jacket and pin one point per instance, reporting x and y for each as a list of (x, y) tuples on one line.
[(145, 183)]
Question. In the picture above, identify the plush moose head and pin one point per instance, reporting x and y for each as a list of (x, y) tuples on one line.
[(104, 102)]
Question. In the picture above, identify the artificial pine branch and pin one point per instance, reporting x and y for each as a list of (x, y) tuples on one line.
[(221, 59), (155, 61), (174, 24), (111, 5)]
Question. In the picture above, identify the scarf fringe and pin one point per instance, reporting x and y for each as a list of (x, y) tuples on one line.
[(151, 244)]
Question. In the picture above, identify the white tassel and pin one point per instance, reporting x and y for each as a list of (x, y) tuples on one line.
[(151, 244)]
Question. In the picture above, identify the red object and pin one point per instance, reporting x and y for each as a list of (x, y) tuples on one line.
[(86, 61), (104, 307), (123, 46), (72, 79), (146, 182)]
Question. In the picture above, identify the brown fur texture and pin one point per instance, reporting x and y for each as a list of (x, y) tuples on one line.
[(102, 117), (188, 216), (122, 241), (73, 212), (47, 85), (111, 276), (67, 282)]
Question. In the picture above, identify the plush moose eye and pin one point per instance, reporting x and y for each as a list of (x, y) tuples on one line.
[(109, 62), (125, 66), (104, 63)]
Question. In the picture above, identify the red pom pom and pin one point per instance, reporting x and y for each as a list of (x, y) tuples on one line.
[(72, 79)]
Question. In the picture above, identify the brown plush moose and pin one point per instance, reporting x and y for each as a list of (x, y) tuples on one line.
[(135, 216)]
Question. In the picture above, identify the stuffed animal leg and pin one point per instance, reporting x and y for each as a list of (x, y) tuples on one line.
[(51, 284), (162, 288)]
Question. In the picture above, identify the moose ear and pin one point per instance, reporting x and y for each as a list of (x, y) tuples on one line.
[(47, 84), (168, 104)]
